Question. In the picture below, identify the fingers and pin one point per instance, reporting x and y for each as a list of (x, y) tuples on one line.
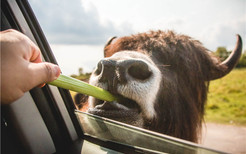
[(35, 53), (43, 73), (22, 66)]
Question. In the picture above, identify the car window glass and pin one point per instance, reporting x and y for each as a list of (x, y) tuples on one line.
[(108, 130)]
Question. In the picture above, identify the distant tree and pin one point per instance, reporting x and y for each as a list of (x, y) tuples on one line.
[(74, 75), (82, 76), (242, 61), (81, 71), (222, 53)]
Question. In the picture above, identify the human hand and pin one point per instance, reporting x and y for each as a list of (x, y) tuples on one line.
[(21, 66)]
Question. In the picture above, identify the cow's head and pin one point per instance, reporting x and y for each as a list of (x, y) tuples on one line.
[(162, 79)]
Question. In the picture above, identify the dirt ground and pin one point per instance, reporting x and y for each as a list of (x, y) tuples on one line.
[(226, 138)]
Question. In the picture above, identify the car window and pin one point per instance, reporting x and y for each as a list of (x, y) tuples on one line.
[(78, 31), (109, 130)]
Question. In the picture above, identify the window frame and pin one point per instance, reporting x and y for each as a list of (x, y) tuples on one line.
[(19, 15), (49, 57)]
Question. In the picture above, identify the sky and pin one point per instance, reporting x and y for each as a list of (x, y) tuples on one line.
[(78, 29)]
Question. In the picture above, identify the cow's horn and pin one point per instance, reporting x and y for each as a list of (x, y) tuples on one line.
[(226, 66)]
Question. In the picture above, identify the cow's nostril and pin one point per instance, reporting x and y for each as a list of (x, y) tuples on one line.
[(99, 68), (139, 70)]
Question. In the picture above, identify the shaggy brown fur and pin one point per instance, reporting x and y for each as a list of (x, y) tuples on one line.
[(186, 68)]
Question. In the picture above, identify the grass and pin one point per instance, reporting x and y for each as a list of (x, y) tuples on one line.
[(227, 99)]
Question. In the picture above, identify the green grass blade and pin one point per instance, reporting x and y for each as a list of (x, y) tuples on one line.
[(82, 87)]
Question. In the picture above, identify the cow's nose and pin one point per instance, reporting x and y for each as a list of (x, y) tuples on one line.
[(106, 73), (114, 72), (106, 69), (137, 69)]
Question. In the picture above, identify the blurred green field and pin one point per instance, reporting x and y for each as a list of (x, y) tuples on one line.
[(227, 99)]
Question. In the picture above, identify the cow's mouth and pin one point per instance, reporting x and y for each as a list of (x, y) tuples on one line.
[(117, 110)]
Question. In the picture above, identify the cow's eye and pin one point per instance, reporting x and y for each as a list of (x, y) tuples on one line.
[(139, 70)]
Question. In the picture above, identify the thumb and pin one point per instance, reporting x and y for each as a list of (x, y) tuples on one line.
[(44, 72)]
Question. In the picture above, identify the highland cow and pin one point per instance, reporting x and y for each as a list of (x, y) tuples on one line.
[(163, 79)]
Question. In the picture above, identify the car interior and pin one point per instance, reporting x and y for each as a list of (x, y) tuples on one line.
[(45, 120)]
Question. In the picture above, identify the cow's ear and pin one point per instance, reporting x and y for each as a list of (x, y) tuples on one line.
[(110, 40)]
